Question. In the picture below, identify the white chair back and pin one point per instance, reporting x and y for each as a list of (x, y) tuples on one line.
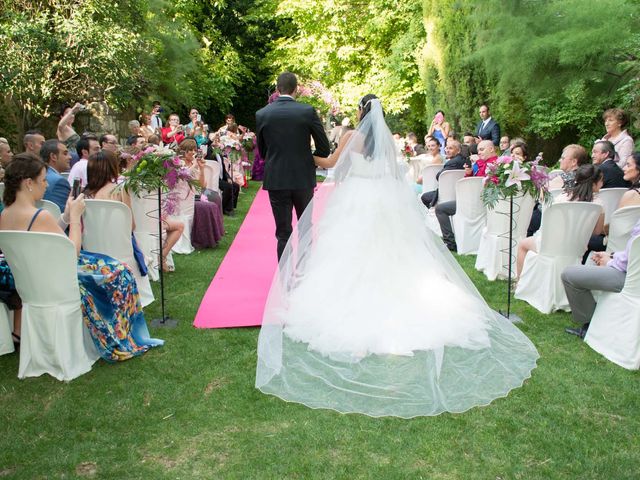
[(144, 208), (555, 173), (566, 228), (212, 175), (145, 213), (610, 198), (620, 226), (614, 331), (107, 230), (6, 325), (447, 185), (54, 339), (470, 217), (468, 201), (429, 182), (632, 280), (50, 207)]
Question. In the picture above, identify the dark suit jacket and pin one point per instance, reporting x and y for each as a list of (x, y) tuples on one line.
[(419, 149), (613, 175), (58, 188), (490, 132), (456, 163), (284, 130)]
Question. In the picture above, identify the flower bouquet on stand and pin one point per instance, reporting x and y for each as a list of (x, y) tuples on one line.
[(155, 172), (506, 178)]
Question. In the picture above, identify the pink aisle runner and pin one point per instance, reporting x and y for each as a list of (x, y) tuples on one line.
[(238, 291)]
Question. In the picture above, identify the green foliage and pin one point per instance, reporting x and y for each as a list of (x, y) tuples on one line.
[(355, 48)]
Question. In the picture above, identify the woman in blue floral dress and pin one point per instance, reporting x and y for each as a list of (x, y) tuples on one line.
[(109, 296)]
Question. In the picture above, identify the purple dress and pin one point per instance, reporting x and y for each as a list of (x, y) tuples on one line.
[(257, 171)]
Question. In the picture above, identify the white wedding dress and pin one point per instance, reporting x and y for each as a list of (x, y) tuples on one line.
[(370, 313)]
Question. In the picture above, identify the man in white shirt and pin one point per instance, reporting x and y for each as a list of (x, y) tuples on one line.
[(86, 146), (156, 121)]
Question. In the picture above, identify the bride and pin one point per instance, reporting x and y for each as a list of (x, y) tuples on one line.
[(369, 312)]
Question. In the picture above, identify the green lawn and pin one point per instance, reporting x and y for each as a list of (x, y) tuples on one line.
[(189, 410)]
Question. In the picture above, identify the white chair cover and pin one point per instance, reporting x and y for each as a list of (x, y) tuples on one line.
[(493, 252), (212, 175), (429, 182), (470, 217), (614, 331), (565, 232), (620, 226), (6, 326), (610, 198), (186, 209), (53, 338), (555, 192), (145, 213), (50, 207), (107, 230), (447, 185)]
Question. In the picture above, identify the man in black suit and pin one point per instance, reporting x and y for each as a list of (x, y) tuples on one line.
[(487, 128), (284, 131), (603, 155), (455, 161)]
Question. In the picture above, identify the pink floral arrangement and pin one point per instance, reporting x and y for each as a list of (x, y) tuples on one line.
[(510, 176), (157, 168)]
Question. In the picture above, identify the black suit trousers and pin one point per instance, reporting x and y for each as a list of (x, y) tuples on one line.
[(282, 204)]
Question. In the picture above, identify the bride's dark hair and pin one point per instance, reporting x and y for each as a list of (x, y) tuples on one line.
[(365, 107), (365, 104)]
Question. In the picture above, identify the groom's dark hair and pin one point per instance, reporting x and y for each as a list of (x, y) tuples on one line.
[(287, 83)]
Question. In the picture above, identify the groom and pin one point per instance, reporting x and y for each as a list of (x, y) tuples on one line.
[(284, 130)]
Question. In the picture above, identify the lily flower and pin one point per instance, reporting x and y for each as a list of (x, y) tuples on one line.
[(516, 175)]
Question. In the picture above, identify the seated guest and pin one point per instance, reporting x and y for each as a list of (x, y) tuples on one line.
[(5, 156), (185, 193), (56, 157), (518, 151), (108, 293), (608, 275), (412, 143), (632, 175), (174, 132), (136, 141), (572, 157), (33, 141), (433, 153), (615, 121), (587, 184), (505, 146), (455, 161), (146, 130), (603, 155), (109, 142), (229, 189), (444, 211), (86, 146)]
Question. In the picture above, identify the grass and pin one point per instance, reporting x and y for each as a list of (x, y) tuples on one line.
[(189, 410)]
